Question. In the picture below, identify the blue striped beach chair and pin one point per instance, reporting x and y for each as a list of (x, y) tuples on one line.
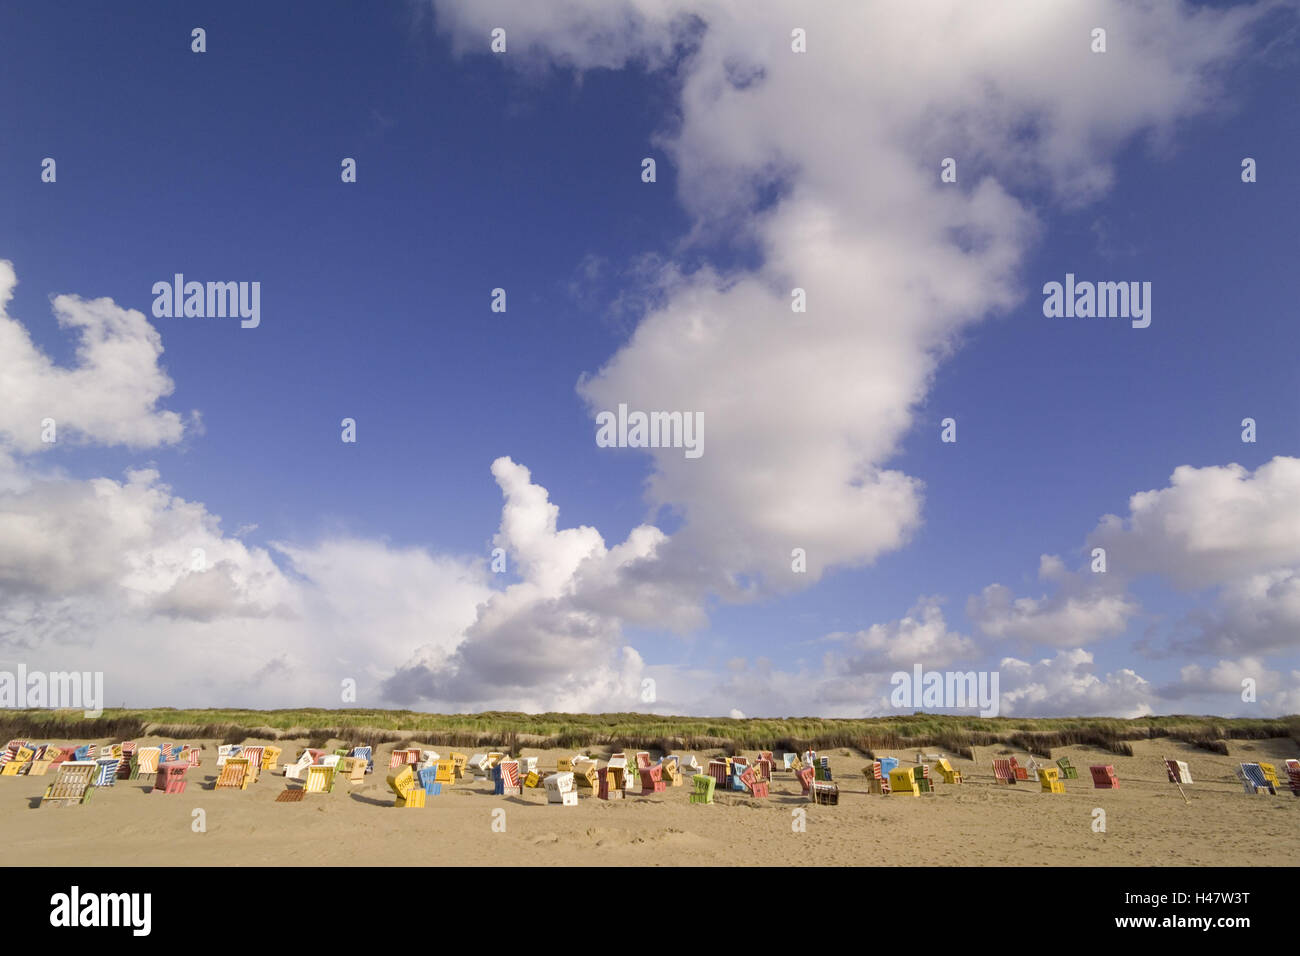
[(107, 775)]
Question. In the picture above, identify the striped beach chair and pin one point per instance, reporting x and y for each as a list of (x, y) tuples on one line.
[(320, 779), (146, 760), (1293, 775), (226, 751), (367, 753), (192, 755), (505, 779), (921, 777), (41, 761), (642, 760), (702, 788), (1103, 777), (1003, 771), (233, 775), (254, 756), (787, 761), (73, 786), (108, 767), (1178, 771), (18, 762), (877, 779), (718, 771), (1256, 778)]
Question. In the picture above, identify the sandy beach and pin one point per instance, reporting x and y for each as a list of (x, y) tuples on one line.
[(1147, 822)]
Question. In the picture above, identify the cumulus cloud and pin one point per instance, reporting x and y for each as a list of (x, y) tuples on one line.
[(1066, 686), (553, 639), (921, 636), (1084, 607), (1226, 529), (826, 163), (109, 396)]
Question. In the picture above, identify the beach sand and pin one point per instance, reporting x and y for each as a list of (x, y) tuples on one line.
[(979, 822)]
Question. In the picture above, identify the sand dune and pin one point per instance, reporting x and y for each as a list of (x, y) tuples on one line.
[(977, 823)]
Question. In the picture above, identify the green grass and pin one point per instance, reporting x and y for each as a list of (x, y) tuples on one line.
[(646, 731)]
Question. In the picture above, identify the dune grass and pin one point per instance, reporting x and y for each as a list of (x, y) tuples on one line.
[(954, 734)]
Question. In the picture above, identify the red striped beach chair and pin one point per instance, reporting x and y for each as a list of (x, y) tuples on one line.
[(1293, 775), (1178, 771), (718, 771), (1003, 771), (642, 760), (192, 755), (18, 762), (254, 755), (1103, 777), (146, 760)]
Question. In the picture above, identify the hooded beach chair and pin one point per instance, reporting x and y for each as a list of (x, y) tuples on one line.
[(612, 781), (235, 774), (921, 777), (505, 779), (787, 761), (405, 786), (825, 792), (41, 761), (458, 762), (146, 761), (1003, 772), (351, 769), (672, 772), (585, 776), (902, 783), (108, 767), (73, 785), (877, 779), (946, 771), (689, 765), (192, 754), (755, 786), (559, 789), (1022, 773), (1178, 771), (298, 769), (1049, 779), (1255, 774), (642, 760), (527, 765), (320, 779), (1103, 777), (254, 756), (226, 751), (652, 780), (445, 771), (805, 778), (1293, 775), (271, 758), (718, 771), (170, 777), (702, 788), (1067, 772), (1270, 774), (18, 762)]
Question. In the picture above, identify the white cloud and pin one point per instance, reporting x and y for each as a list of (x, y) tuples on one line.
[(804, 411), (920, 637), (1066, 686), (110, 396)]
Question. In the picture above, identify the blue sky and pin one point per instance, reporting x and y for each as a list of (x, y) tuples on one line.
[(522, 171)]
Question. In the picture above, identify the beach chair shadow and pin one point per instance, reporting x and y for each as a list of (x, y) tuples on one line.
[(370, 801)]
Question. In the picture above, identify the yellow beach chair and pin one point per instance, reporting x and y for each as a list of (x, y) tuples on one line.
[(902, 783), (946, 771), (320, 779), (1049, 779), (235, 775)]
